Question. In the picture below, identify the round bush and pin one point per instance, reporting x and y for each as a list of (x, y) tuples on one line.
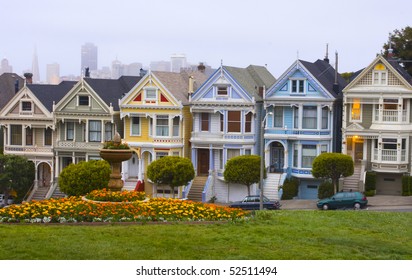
[(84, 177), (290, 188)]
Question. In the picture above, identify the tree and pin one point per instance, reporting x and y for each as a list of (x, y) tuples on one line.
[(243, 170), (84, 177), (16, 175), (332, 166), (171, 170), (401, 43)]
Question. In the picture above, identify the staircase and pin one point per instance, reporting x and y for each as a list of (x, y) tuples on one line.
[(58, 193), (40, 193), (351, 183), (195, 193), (271, 185)]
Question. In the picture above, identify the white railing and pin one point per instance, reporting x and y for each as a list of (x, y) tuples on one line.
[(389, 155), (28, 149), (79, 145), (390, 115)]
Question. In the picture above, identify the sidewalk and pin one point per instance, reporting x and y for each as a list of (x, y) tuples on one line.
[(374, 202)]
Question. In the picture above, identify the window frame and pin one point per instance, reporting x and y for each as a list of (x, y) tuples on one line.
[(204, 121), (23, 108), (352, 110), (297, 86), (176, 126), (162, 127), (134, 126), (305, 147), (234, 125), (16, 135), (95, 132), (70, 130), (222, 90), (248, 122), (148, 90), (48, 137), (81, 99), (278, 117), (29, 135), (307, 109)]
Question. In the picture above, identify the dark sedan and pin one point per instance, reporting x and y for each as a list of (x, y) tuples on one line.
[(252, 202)]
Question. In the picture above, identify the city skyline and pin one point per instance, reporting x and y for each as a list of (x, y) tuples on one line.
[(237, 33)]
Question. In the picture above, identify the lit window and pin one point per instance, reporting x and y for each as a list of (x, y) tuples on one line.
[(356, 110)]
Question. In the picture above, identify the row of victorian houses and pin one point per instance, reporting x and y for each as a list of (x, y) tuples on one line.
[(310, 109)]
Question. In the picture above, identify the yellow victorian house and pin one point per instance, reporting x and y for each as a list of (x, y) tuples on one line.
[(157, 122)]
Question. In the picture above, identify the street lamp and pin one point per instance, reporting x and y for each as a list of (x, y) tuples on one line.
[(262, 158)]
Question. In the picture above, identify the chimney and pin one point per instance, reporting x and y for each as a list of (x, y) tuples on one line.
[(29, 78), (326, 59), (142, 72), (191, 82), (87, 72), (201, 67), (16, 86), (336, 83)]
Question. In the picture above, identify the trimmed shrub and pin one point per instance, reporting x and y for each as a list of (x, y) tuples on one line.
[(290, 188), (325, 190), (406, 185), (84, 177), (370, 183)]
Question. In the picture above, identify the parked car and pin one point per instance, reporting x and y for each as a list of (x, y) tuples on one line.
[(252, 202), (354, 200)]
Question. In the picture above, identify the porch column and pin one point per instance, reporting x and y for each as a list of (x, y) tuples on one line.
[(211, 160), (87, 132), (300, 119), (102, 131), (400, 110)]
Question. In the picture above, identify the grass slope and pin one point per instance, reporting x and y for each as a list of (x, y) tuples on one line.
[(288, 235)]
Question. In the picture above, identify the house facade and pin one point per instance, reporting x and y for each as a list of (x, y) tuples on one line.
[(377, 123), (226, 110), (302, 122), (157, 123), (29, 128)]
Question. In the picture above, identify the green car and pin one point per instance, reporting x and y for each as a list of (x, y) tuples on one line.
[(354, 200)]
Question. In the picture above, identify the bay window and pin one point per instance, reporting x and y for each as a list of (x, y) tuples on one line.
[(162, 125), (308, 155), (309, 118), (95, 131), (233, 121)]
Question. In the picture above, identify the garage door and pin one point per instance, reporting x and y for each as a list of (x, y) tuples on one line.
[(308, 190), (388, 184)]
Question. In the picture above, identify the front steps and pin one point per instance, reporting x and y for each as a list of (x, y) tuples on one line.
[(195, 193), (271, 185), (351, 183)]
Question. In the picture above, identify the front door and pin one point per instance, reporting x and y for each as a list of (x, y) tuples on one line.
[(277, 157), (133, 166), (358, 151), (202, 162)]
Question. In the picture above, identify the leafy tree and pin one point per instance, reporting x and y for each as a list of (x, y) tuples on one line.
[(325, 189), (171, 170), (84, 177), (243, 170), (401, 43), (16, 174), (332, 166)]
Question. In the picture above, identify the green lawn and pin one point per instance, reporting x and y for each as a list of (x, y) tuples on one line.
[(288, 235)]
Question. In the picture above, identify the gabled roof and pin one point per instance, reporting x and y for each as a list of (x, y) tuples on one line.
[(395, 64), (7, 87), (110, 91), (49, 94), (325, 74), (251, 78), (178, 83)]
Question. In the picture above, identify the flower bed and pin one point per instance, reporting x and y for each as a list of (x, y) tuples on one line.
[(123, 196), (75, 210)]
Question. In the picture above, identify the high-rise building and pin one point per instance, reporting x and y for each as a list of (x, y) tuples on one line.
[(178, 62), (53, 73), (160, 66), (5, 67), (88, 57), (35, 68)]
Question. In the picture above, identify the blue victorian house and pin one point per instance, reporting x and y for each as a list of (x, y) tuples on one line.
[(304, 112)]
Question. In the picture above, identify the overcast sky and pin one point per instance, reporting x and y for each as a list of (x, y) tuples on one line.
[(238, 32)]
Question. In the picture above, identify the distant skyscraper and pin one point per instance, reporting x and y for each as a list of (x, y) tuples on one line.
[(35, 68), (178, 61), (160, 66), (5, 67), (88, 57), (53, 73)]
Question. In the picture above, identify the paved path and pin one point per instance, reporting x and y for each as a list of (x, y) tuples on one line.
[(374, 203)]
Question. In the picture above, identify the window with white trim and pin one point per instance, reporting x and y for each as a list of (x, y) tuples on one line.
[(176, 126), (69, 131), (248, 122), (26, 106), (48, 137), (108, 131), (16, 134), (204, 121), (278, 117), (150, 94), (222, 90), (231, 153), (162, 125), (356, 110), (298, 86), (233, 122), (310, 117), (295, 155), (95, 131), (83, 100), (308, 155), (29, 136), (325, 117), (135, 126), (159, 155), (295, 117)]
